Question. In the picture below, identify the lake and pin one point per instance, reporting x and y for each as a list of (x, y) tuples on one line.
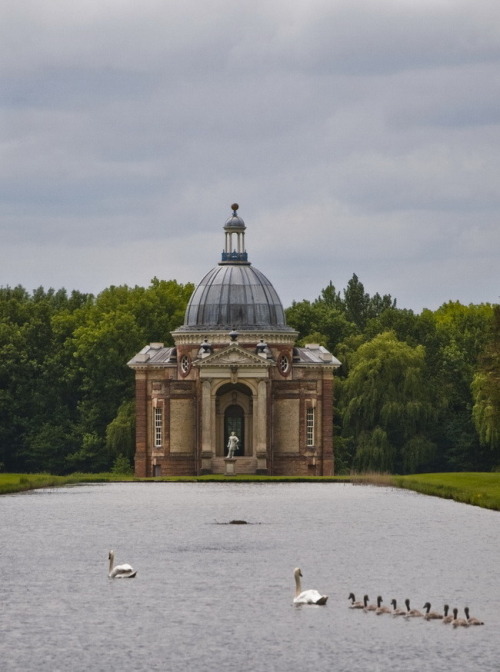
[(216, 596)]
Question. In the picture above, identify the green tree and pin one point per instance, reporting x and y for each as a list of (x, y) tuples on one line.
[(33, 407), (462, 333), (385, 406), (63, 372), (486, 391), (359, 307), (356, 302), (120, 433), (322, 321)]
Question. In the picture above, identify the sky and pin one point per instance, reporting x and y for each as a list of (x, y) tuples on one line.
[(358, 137)]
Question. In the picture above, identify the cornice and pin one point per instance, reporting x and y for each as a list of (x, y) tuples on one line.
[(246, 338)]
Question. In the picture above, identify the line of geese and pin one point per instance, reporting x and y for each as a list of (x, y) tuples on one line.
[(312, 596), (428, 615)]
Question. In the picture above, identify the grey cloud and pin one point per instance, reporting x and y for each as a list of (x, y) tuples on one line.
[(357, 137)]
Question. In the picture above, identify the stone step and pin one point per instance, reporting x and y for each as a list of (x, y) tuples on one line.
[(242, 465)]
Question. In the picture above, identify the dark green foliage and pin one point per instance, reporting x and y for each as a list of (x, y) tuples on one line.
[(122, 466), (458, 372), (64, 383), (486, 391), (120, 434), (414, 392), (385, 406)]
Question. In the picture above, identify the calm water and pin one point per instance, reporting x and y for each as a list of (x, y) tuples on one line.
[(212, 596)]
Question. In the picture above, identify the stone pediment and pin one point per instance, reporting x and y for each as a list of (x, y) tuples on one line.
[(233, 356)]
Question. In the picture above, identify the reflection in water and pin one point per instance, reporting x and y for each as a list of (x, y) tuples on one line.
[(211, 596)]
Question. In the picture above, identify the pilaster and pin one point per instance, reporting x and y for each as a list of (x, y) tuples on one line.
[(141, 461)]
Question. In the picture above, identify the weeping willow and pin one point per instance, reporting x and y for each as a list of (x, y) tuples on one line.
[(386, 406), (486, 410), (486, 389)]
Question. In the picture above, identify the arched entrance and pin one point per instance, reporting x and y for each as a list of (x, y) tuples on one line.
[(234, 414)]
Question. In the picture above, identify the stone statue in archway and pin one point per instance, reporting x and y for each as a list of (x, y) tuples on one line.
[(232, 445)]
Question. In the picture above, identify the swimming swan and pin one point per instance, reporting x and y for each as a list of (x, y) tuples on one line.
[(306, 596), (120, 571)]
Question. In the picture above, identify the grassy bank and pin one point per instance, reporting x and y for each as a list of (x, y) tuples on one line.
[(478, 489), (10, 483)]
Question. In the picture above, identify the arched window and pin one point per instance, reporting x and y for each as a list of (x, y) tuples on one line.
[(234, 421)]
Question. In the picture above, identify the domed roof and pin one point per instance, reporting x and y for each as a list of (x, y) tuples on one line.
[(234, 294)]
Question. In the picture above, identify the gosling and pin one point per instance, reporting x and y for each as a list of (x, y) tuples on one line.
[(458, 622), (411, 612), (380, 609), (430, 615), (395, 610), (368, 607), (447, 617), (354, 604), (472, 620)]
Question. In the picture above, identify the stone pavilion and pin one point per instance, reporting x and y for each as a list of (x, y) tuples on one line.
[(234, 367)]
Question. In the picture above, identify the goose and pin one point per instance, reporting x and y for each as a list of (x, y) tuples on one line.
[(430, 615), (380, 609), (395, 611), (120, 571), (368, 607), (354, 604), (447, 617), (306, 596), (411, 612), (456, 622), (471, 620)]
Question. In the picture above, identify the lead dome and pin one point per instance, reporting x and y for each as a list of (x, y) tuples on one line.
[(234, 294)]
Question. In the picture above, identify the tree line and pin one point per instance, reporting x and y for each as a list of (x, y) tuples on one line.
[(66, 394), (415, 392)]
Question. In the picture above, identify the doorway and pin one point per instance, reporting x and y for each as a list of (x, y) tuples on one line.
[(234, 414)]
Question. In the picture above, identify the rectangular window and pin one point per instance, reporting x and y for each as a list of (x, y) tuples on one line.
[(158, 427), (310, 427)]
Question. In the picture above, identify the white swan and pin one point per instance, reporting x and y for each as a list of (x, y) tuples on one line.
[(306, 596), (120, 571)]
